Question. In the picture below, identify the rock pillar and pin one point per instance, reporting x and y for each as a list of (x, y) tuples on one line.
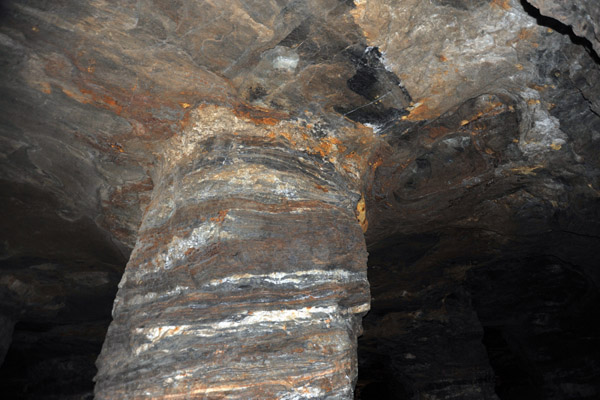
[(248, 279)]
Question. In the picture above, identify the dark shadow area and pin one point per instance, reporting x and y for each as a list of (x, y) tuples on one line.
[(385, 96), (513, 380), (517, 325), (540, 329), (46, 361)]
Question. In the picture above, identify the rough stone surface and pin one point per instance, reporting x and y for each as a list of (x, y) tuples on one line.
[(582, 16), (462, 134), (247, 244), (446, 52)]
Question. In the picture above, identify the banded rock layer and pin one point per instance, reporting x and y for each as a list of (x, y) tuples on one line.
[(247, 244)]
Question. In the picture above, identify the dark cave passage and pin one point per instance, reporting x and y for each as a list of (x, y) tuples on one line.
[(52, 362), (519, 328), (540, 330)]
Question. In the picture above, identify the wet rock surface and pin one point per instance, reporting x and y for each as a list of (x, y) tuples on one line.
[(462, 137)]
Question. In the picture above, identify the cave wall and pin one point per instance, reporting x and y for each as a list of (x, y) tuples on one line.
[(462, 136)]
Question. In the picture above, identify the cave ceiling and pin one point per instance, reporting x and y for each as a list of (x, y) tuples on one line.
[(471, 128)]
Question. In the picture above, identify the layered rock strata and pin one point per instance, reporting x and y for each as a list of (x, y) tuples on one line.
[(248, 280)]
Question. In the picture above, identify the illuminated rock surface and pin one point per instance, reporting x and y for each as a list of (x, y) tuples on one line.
[(245, 282), (241, 157)]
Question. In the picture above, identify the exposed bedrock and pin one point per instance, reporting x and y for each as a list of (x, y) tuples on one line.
[(248, 280), (247, 154), (582, 16)]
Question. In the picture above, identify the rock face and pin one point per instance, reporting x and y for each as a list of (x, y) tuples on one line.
[(241, 157), (582, 16)]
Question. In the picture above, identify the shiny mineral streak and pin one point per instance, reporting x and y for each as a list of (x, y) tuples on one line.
[(257, 320), (324, 305)]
